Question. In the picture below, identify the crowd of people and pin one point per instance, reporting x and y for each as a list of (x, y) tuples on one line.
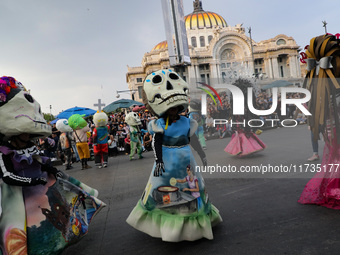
[(118, 138)]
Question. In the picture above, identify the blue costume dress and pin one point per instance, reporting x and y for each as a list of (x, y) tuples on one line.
[(164, 210)]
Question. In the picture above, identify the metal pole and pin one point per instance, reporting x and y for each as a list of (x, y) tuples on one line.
[(251, 46), (176, 30)]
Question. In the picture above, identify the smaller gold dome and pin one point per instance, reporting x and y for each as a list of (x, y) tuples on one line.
[(160, 46)]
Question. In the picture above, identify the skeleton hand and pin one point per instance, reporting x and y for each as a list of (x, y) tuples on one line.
[(159, 169)]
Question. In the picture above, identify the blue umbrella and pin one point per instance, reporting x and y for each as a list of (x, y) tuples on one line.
[(54, 121), (75, 110), (121, 103)]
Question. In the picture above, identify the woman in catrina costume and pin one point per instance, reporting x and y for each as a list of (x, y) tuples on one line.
[(167, 208), (42, 210), (322, 79), (244, 141)]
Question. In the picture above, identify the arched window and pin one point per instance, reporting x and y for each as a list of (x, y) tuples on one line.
[(210, 37), (280, 42), (193, 41), (202, 41)]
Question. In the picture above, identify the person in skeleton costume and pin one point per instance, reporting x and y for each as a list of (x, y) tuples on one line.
[(36, 198), (100, 136), (165, 209), (65, 141), (322, 79), (132, 119)]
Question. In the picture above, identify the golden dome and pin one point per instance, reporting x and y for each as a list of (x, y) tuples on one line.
[(201, 19), (161, 45), (204, 19)]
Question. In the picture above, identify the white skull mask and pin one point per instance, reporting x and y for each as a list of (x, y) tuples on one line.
[(100, 119), (22, 114), (165, 89), (62, 126), (132, 119)]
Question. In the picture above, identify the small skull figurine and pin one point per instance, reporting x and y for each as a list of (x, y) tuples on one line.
[(132, 119), (165, 89)]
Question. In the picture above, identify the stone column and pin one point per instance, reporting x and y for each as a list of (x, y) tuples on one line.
[(275, 66), (214, 74), (192, 79), (292, 66), (270, 68), (298, 66), (267, 69)]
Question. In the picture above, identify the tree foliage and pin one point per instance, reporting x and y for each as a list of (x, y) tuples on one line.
[(48, 117)]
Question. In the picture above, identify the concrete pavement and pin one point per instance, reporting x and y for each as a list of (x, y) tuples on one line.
[(260, 212)]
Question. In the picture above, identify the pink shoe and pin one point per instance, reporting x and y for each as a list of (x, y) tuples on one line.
[(314, 157)]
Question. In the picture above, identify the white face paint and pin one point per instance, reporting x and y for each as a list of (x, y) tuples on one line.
[(165, 89), (62, 126), (132, 119), (22, 114), (100, 119)]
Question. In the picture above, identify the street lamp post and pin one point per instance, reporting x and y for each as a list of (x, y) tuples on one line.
[(252, 51), (132, 91)]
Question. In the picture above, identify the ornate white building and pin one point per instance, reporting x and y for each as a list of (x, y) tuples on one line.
[(220, 54)]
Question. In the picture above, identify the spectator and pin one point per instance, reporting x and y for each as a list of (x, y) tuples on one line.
[(209, 124), (112, 142), (147, 141), (127, 144)]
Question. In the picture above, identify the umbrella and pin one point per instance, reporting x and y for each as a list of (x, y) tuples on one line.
[(121, 103), (54, 121), (75, 110), (277, 83)]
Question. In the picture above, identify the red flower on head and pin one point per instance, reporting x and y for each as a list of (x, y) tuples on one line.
[(8, 89)]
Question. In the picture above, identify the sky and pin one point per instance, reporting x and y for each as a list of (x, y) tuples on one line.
[(73, 52)]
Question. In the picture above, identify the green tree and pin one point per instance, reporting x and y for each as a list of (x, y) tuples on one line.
[(48, 117)]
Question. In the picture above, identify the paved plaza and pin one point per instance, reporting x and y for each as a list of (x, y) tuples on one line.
[(260, 211)]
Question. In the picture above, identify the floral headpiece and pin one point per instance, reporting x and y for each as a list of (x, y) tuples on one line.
[(8, 83)]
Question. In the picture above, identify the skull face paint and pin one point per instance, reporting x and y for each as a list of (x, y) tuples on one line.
[(132, 119), (165, 89)]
